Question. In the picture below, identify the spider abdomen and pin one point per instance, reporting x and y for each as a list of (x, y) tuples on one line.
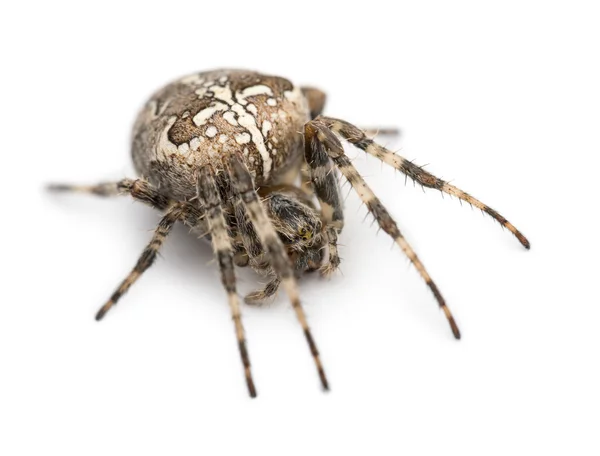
[(200, 118)]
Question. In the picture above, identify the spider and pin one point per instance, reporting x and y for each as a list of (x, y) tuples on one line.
[(221, 152)]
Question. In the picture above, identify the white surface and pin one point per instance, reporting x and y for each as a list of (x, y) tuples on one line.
[(502, 99)]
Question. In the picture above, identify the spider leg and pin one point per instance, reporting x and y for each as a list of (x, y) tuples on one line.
[(249, 238), (258, 296), (305, 180), (255, 254), (326, 186), (303, 262), (221, 242), (316, 100), (278, 258), (356, 137), (319, 132), (381, 131), (139, 189), (333, 262), (175, 213)]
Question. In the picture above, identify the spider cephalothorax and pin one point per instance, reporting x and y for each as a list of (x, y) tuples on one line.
[(222, 152)]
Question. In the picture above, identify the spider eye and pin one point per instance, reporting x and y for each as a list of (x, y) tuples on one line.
[(304, 233)]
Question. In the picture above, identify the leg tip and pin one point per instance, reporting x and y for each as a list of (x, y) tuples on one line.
[(455, 330), (251, 388), (524, 241), (324, 382), (453, 325), (54, 188), (102, 312)]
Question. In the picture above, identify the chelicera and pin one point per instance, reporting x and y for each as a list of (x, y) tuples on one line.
[(243, 159)]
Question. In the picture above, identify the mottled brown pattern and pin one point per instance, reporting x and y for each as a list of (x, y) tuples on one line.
[(184, 130), (180, 101), (222, 152), (242, 79)]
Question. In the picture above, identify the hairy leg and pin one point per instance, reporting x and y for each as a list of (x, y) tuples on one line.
[(189, 214), (316, 100), (333, 262), (258, 297), (381, 131), (304, 258), (209, 197), (175, 213), (357, 137), (139, 189), (249, 239), (243, 187), (305, 180), (330, 143), (305, 261), (326, 186)]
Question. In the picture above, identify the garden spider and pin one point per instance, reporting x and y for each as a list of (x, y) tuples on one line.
[(221, 151)]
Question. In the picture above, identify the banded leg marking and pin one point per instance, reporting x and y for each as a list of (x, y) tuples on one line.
[(356, 137), (381, 131), (257, 297), (336, 152), (140, 190), (333, 263), (221, 242), (147, 258), (244, 189), (326, 186)]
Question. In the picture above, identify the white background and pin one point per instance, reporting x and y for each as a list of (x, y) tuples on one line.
[(501, 97)]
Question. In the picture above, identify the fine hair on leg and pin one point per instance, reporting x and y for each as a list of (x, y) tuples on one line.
[(140, 190), (334, 149), (208, 196), (357, 137), (257, 297), (243, 188), (176, 212), (325, 184)]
